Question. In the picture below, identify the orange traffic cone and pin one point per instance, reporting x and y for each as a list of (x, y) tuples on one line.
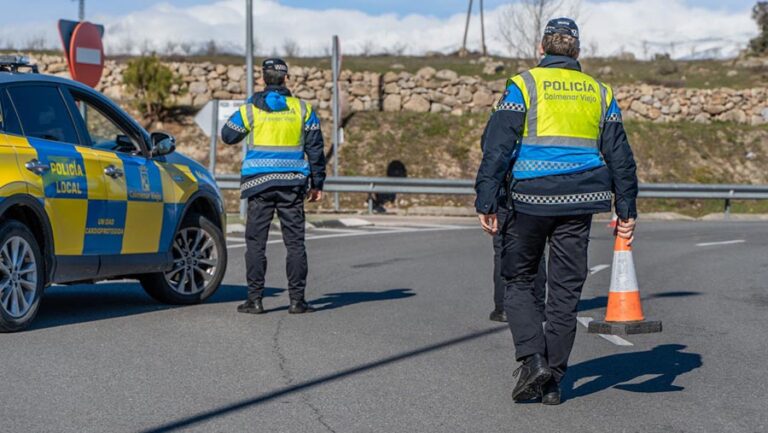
[(624, 314)]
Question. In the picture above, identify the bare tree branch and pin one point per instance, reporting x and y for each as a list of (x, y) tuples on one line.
[(521, 24)]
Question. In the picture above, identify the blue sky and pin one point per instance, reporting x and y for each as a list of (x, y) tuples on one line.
[(19, 10)]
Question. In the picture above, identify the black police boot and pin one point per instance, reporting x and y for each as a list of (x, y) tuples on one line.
[(498, 316), (550, 392), (299, 306), (251, 307), (533, 374)]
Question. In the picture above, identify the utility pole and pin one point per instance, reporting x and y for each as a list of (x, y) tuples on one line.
[(81, 10), (482, 28), (248, 76), (336, 108), (463, 51)]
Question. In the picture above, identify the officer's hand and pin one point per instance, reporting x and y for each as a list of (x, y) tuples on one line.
[(315, 195), (626, 229), (489, 223)]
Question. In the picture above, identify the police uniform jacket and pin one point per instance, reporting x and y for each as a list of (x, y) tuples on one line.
[(283, 129), (554, 175)]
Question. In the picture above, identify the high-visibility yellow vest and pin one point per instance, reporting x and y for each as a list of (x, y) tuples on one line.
[(565, 114), (276, 139)]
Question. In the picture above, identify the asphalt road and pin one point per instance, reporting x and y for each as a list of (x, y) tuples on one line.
[(401, 343)]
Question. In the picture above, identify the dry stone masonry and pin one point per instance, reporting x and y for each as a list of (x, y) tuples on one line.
[(430, 90)]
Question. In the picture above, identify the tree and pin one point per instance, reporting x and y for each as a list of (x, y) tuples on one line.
[(291, 48), (521, 24), (150, 80), (759, 45)]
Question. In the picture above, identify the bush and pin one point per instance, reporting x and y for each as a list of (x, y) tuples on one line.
[(759, 45), (150, 81)]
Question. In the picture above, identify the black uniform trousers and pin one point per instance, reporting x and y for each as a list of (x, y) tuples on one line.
[(525, 237), (289, 203), (499, 286)]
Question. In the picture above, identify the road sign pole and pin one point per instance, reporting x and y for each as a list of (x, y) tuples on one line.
[(214, 137), (248, 77), (81, 18), (336, 112)]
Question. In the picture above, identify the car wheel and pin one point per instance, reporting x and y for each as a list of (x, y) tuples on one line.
[(199, 262), (21, 276)]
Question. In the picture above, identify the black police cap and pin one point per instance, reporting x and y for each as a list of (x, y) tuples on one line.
[(564, 26), (275, 65)]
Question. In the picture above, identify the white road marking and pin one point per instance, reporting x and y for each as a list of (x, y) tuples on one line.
[(335, 230), (709, 244), (598, 268), (361, 233), (423, 225), (615, 339)]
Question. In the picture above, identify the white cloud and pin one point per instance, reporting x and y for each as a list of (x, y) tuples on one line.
[(610, 26)]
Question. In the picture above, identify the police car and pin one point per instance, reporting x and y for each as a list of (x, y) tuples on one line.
[(86, 194)]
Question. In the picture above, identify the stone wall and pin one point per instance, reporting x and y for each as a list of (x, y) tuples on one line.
[(433, 91)]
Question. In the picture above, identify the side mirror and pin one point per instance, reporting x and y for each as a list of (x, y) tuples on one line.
[(162, 143)]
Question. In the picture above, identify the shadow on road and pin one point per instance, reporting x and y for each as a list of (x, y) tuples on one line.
[(66, 305), (250, 403), (593, 303), (331, 301), (665, 363), (602, 301)]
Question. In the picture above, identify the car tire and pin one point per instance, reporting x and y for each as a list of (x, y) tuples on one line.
[(199, 262), (22, 276)]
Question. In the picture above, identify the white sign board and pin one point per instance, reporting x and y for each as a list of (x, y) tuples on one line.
[(225, 108)]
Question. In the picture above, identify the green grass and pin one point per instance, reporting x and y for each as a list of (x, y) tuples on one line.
[(691, 152), (700, 74)]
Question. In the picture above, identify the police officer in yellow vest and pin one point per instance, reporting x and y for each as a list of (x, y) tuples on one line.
[(275, 176), (560, 132)]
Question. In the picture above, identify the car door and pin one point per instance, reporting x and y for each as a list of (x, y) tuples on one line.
[(10, 131), (64, 174), (134, 181)]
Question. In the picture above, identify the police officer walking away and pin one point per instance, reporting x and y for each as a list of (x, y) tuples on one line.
[(275, 176), (561, 132)]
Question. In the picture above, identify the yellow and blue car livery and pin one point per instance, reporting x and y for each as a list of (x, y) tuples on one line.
[(91, 225)]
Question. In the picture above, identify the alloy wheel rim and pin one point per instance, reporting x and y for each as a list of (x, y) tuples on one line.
[(195, 261), (18, 277)]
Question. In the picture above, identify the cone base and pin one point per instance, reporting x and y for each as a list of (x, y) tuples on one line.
[(624, 328)]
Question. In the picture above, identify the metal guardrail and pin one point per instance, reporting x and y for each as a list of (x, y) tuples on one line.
[(394, 185)]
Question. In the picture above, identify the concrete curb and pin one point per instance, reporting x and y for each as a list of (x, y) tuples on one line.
[(343, 223), (329, 223)]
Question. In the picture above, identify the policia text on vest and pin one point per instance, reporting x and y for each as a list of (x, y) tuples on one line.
[(573, 91), (284, 163)]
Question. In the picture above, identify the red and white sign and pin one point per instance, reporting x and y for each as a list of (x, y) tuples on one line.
[(85, 53)]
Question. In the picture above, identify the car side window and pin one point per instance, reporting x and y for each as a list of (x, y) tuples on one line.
[(43, 113), (104, 132), (9, 122)]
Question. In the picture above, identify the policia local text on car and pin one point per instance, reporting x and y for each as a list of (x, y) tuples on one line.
[(275, 176), (560, 131)]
